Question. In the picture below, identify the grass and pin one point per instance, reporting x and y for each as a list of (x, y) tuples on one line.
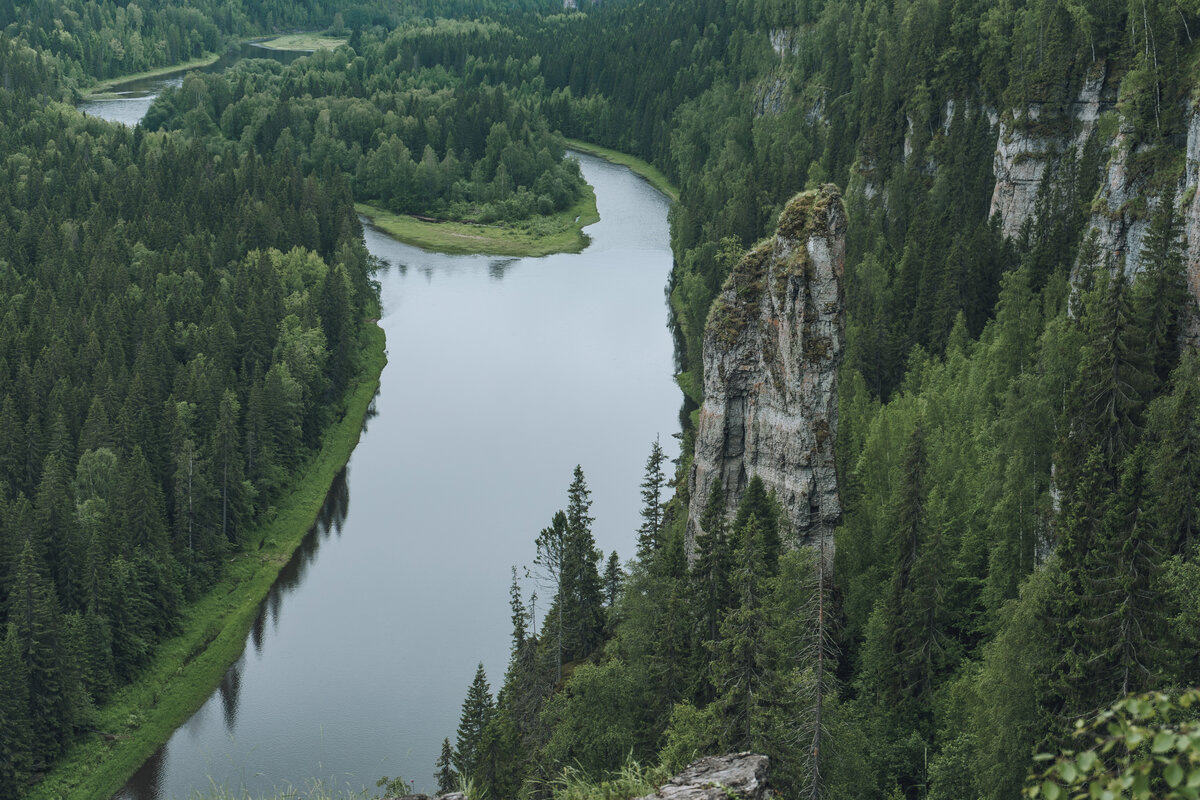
[(142, 716), (105, 87), (631, 780), (541, 236), (304, 42), (651, 173)]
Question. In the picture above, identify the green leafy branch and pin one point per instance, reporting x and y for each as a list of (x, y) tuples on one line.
[(1142, 747)]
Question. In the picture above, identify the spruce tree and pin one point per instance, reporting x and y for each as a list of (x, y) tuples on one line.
[(15, 731), (614, 578), (551, 561), (650, 532), (34, 610), (446, 777), (1160, 292), (758, 503), (519, 616), (740, 661), (477, 710), (1115, 377), (1173, 459), (581, 597), (710, 581), (228, 472)]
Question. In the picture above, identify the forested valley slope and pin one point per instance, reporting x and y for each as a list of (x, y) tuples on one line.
[(1017, 450)]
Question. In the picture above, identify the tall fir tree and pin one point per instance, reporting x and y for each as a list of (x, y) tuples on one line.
[(581, 598), (1160, 291), (446, 777), (33, 609), (650, 531), (15, 731), (477, 710)]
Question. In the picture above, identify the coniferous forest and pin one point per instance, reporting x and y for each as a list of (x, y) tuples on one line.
[(183, 308)]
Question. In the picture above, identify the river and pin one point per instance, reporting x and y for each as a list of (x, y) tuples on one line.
[(502, 375)]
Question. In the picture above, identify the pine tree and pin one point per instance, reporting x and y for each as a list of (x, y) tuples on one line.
[(38, 624), (757, 503), (1173, 459), (551, 561), (1118, 633), (1160, 292), (227, 469), (614, 578), (519, 615), (650, 532), (710, 579), (740, 660), (142, 509), (446, 777), (581, 597), (1114, 379), (477, 710), (15, 731)]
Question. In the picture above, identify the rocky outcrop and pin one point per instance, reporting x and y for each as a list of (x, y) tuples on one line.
[(1121, 213), (1191, 218), (740, 776), (737, 776), (772, 346), (1025, 148)]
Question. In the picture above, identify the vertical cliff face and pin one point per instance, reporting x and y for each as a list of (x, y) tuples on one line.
[(1023, 152), (1190, 197), (772, 346), (1122, 209)]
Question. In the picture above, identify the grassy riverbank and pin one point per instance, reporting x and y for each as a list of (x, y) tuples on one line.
[(104, 88), (558, 233), (141, 717), (648, 171), (304, 42)]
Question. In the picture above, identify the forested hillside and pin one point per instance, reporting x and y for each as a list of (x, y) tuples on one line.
[(1018, 436), (177, 332), (1018, 403), (415, 141)]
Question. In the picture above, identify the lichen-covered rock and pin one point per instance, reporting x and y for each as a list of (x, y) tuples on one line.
[(772, 347), (1024, 150), (1190, 198), (1126, 203), (739, 776)]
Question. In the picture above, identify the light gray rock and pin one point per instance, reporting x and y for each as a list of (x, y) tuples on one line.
[(1023, 150), (739, 775), (772, 347), (1191, 220)]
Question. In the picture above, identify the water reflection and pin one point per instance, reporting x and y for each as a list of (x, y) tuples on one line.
[(146, 783), (231, 684), (497, 269)]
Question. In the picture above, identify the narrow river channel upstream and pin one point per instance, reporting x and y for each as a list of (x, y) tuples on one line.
[(502, 375)]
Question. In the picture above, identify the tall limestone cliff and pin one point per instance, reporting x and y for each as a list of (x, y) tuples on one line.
[(1128, 193), (772, 347)]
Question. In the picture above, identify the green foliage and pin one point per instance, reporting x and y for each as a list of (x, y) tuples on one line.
[(631, 780), (424, 142), (592, 719), (1141, 747), (477, 711)]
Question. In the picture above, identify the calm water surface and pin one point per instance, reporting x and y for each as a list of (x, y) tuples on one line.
[(503, 374)]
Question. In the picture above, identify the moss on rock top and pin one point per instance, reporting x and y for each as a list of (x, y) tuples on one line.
[(807, 213)]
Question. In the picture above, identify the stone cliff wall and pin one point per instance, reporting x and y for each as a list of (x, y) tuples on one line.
[(1122, 209), (772, 347), (1025, 150)]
